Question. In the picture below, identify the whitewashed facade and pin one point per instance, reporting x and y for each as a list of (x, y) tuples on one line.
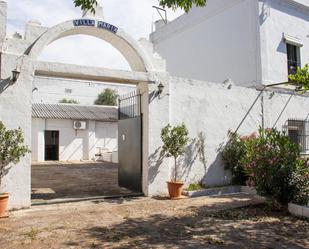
[(242, 40), (55, 136), (206, 107)]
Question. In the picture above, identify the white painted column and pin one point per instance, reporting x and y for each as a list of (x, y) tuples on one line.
[(91, 140), (38, 140), (156, 116)]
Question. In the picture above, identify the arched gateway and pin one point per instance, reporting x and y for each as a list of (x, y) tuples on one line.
[(146, 68), (127, 46)]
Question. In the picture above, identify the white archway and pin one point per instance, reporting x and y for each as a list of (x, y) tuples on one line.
[(125, 44)]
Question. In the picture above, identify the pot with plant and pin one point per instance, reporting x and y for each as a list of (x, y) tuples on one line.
[(174, 141), (12, 149)]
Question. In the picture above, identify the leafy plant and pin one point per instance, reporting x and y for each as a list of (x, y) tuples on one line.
[(270, 162), (232, 155), (68, 101), (12, 148), (196, 186), (186, 5), (301, 78), (300, 182), (86, 4), (107, 97), (174, 141)]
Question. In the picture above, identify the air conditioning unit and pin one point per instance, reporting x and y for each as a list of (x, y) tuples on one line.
[(79, 125)]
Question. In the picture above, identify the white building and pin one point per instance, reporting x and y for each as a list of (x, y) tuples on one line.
[(224, 40), (248, 41), (51, 90), (67, 132)]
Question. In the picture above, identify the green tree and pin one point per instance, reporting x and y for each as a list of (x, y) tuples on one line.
[(174, 141), (12, 148), (300, 79), (68, 101), (186, 5), (107, 97)]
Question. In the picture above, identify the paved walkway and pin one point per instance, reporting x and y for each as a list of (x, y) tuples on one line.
[(52, 181), (204, 222)]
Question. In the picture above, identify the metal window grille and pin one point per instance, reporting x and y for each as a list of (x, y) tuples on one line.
[(298, 132), (129, 105), (293, 58)]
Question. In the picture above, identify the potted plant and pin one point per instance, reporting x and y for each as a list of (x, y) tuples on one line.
[(12, 148), (174, 140)]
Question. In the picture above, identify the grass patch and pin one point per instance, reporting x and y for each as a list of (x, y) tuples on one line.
[(196, 186), (32, 234), (200, 186)]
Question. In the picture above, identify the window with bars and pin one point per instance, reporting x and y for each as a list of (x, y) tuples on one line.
[(293, 58), (298, 132)]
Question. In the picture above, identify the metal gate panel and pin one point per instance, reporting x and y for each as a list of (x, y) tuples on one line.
[(130, 142), (130, 153)]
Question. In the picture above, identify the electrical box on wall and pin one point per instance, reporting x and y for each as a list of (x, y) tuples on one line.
[(79, 125)]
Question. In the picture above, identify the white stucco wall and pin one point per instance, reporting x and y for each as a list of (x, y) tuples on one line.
[(74, 145), (237, 39), (214, 43), (15, 101), (214, 110), (52, 90), (278, 18)]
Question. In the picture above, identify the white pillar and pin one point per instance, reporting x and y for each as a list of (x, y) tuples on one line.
[(91, 139)]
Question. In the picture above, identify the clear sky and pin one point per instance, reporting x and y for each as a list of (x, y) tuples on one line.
[(133, 16)]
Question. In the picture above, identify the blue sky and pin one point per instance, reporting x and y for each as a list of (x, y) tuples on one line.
[(133, 16)]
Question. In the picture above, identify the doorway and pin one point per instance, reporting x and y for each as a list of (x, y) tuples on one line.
[(51, 145)]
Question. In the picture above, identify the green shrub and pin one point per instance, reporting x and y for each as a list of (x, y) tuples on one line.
[(300, 79), (12, 148), (270, 162), (232, 155), (196, 186), (107, 97), (300, 182), (68, 101), (174, 141)]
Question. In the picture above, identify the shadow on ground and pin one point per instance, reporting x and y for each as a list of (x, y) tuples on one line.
[(249, 227)]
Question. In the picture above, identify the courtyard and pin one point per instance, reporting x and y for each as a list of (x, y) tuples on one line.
[(63, 181), (236, 221)]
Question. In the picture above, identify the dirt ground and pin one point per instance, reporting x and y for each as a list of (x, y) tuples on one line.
[(56, 180), (204, 222)]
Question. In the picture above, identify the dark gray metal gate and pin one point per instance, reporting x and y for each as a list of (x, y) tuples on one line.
[(130, 141)]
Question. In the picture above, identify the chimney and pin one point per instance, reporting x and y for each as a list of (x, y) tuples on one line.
[(159, 23)]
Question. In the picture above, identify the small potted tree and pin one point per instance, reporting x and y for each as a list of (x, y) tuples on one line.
[(174, 141), (12, 148)]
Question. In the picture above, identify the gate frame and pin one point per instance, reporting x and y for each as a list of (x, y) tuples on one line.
[(29, 66), (132, 109)]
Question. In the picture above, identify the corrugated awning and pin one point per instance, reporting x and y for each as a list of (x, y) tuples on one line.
[(74, 112)]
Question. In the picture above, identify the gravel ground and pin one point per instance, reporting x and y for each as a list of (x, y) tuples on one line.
[(238, 221)]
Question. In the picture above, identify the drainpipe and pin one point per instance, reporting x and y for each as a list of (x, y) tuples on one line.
[(262, 109)]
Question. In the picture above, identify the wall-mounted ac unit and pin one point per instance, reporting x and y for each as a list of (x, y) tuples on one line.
[(79, 125)]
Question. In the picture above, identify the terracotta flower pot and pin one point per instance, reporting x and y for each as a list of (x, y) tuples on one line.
[(175, 189), (4, 199)]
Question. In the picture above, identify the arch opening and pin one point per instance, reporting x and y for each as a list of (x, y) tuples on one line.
[(84, 50), (127, 46), (134, 57)]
